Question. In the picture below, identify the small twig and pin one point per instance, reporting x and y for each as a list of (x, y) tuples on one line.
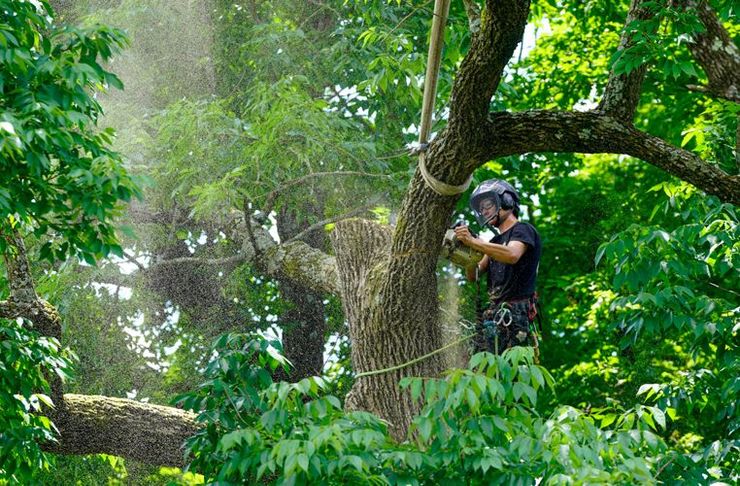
[(228, 396), (722, 288), (324, 6), (665, 466), (321, 7), (133, 260), (272, 196), (404, 152), (203, 261), (403, 20), (334, 219), (712, 93)]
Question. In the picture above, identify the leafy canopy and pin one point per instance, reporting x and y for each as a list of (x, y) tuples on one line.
[(59, 177)]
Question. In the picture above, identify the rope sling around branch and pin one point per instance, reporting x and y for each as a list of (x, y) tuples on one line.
[(441, 188), (441, 10)]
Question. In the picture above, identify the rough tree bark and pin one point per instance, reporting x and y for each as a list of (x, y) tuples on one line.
[(93, 424)]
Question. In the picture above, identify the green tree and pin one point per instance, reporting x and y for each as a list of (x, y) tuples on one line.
[(497, 117)]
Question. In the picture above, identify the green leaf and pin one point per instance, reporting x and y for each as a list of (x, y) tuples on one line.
[(303, 462), (659, 417)]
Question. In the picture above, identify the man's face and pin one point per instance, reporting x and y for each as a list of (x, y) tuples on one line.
[(488, 209)]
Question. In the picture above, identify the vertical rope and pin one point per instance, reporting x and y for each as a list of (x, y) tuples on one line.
[(436, 40)]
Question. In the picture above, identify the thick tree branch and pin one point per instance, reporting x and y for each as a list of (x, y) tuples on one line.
[(24, 302), (716, 52), (622, 92), (502, 27), (593, 132), (42, 316), (148, 433), (294, 260), (472, 10), (20, 281), (304, 265), (8, 310)]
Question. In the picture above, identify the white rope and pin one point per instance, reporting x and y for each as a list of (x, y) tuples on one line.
[(441, 188)]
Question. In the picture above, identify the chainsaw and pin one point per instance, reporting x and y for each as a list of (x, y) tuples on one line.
[(459, 254)]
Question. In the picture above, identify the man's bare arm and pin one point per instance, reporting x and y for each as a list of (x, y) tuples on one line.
[(509, 254)]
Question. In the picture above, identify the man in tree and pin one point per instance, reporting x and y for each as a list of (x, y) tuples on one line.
[(510, 258)]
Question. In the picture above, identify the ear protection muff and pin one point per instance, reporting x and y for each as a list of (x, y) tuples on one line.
[(507, 201)]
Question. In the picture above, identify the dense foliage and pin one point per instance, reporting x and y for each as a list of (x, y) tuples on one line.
[(299, 113), (59, 174), (63, 184), (26, 362), (476, 426)]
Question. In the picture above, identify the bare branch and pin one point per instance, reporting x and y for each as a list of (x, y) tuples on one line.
[(272, 196), (622, 93), (322, 223), (226, 261), (132, 259), (593, 132)]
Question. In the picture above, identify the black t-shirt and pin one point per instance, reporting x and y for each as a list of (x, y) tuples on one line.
[(517, 281)]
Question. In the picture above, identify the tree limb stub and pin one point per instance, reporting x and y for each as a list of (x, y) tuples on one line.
[(152, 434), (303, 265), (592, 132)]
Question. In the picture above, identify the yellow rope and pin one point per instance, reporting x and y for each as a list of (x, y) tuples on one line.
[(415, 360)]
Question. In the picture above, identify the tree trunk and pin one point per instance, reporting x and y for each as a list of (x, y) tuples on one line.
[(387, 329), (304, 323)]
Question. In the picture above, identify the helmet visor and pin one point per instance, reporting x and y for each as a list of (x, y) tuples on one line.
[(486, 208)]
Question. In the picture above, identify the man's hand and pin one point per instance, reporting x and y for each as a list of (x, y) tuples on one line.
[(462, 233)]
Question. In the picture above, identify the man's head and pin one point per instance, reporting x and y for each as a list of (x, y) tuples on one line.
[(493, 201)]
